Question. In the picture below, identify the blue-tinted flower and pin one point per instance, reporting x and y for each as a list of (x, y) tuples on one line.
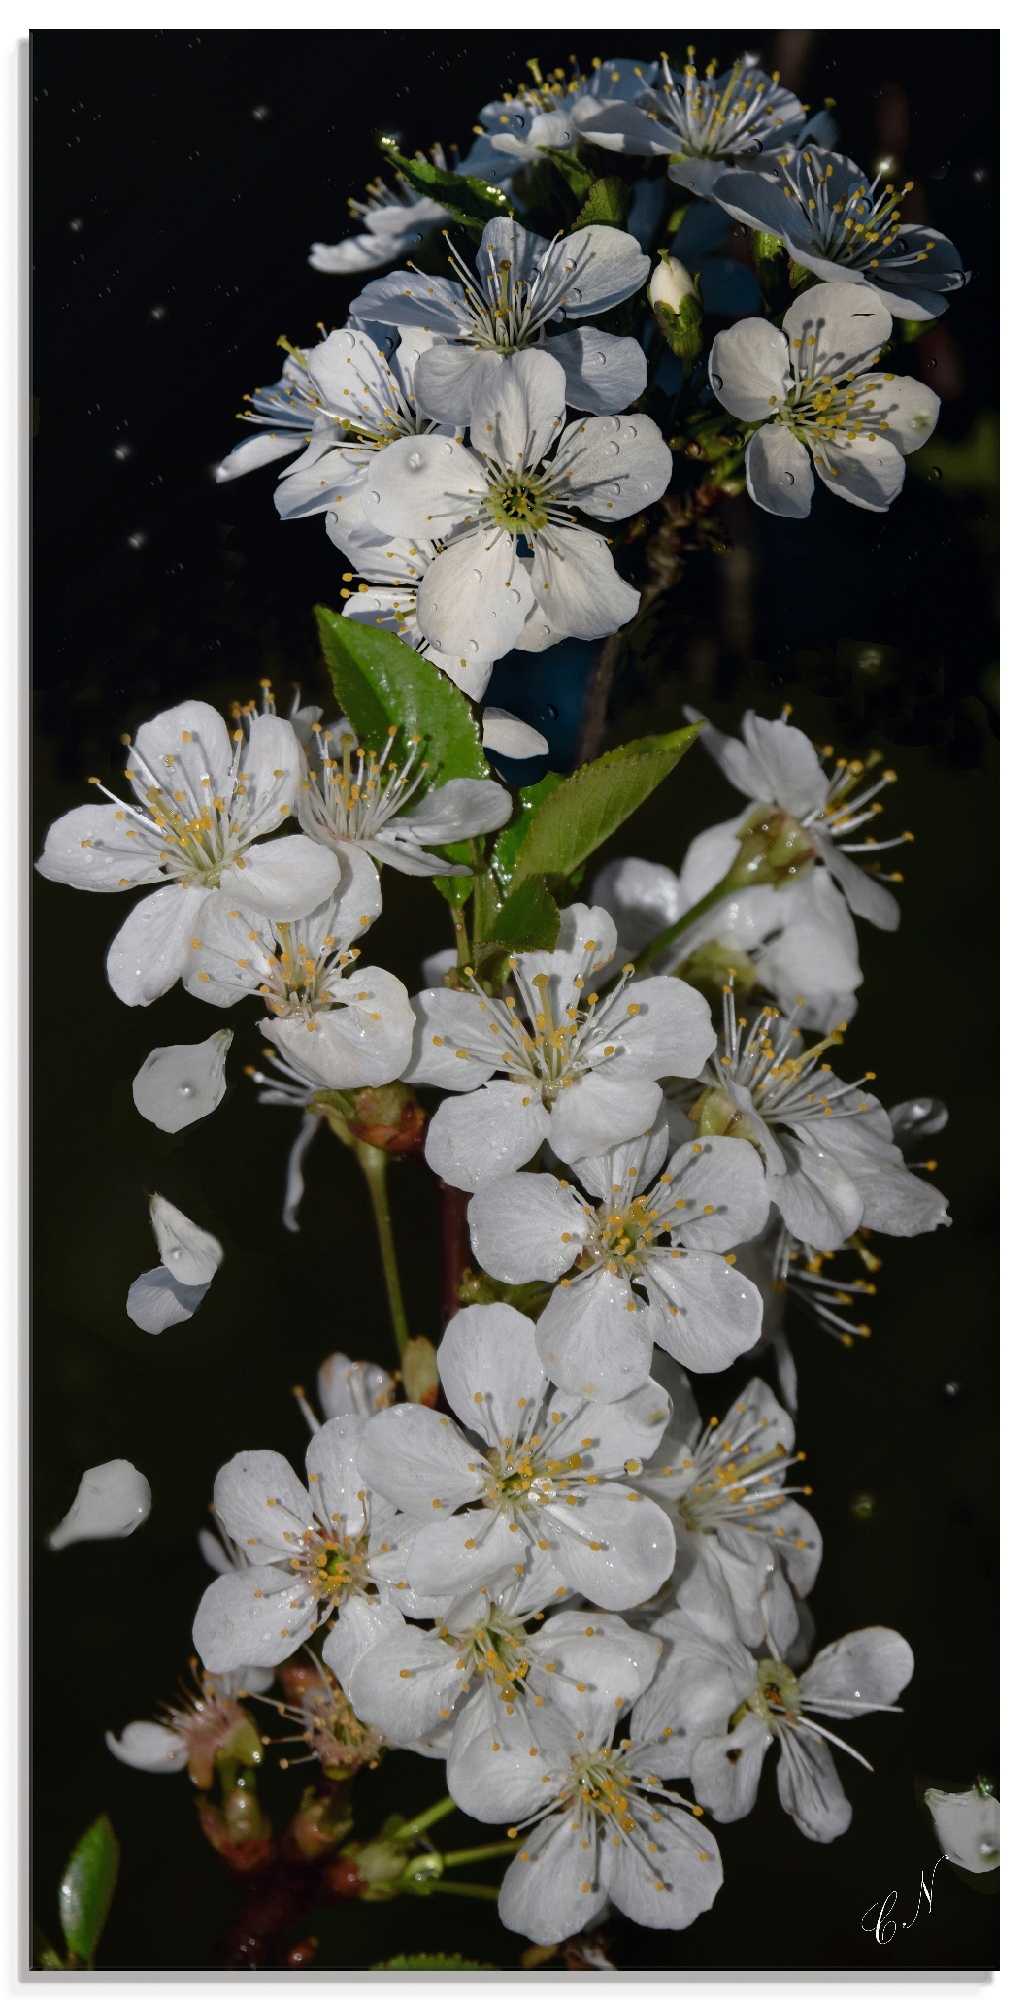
[(704, 124)]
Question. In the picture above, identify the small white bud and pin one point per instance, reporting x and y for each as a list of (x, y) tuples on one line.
[(670, 283)]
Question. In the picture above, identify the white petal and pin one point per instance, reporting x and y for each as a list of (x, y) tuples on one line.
[(475, 1140), (509, 736), (90, 848), (526, 1227), (556, 1891), (413, 1457), (365, 1040), (406, 1684), (717, 1312), (149, 953), (873, 1665), (284, 879), (865, 896), (686, 1862), (519, 409), (809, 1786), (816, 1198), (183, 1082), (448, 380), (450, 1557), (750, 369), (474, 599), (255, 1617), (599, 1111), (867, 472), (597, 267), (615, 1547), (623, 1433), (263, 449), (724, 1178), (909, 411), (643, 898), (595, 1338), (613, 466), (577, 587), (669, 1033), (149, 1746), (363, 1622), (489, 1368), (356, 1388), (423, 486), (407, 298), (195, 739), (849, 324), (113, 1500), (190, 1253), (604, 372), (339, 1492), (606, 1175), (455, 1021), (967, 1827), (509, 1782), (789, 771), (726, 1770), (157, 1301), (262, 1505), (779, 475), (459, 809)]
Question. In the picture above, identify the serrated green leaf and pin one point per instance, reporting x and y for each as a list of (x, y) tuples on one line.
[(86, 1888), (607, 201), (529, 920), (380, 681), (579, 178), (470, 201), (508, 842), (572, 823), (433, 1961)]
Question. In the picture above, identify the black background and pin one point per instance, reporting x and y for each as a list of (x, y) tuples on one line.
[(178, 181)]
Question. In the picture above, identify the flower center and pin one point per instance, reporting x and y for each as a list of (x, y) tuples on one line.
[(776, 1698), (332, 1569), (496, 1650), (517, 501), (359, 791), (600, 1784)]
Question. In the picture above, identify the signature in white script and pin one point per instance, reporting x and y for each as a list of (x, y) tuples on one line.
[(879, 1920)]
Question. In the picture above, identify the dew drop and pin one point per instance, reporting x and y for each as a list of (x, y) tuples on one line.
[(935, 473), (473, 645), (477, 574), (611, 449), (788, 477), (552, 711), (516, 596), (376, 499), (186, 1090), (932, 361), (716, 381), (414, 460)]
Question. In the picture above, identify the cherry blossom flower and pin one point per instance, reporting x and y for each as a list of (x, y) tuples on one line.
[(798, 937), (816, 395), (828, 1146), (648, 1262), (522, 286), (551, 114), (703, 124), (392, 224), (310, 1555), (724, 1487), (113, 1500), (707, 1681), (543, 1494), (600, 1823), (359, 802), (338, 1028), (777, 766), (582, 1074), (205, 806), (845, 227), (337, 404), (382, 590), (518, 484), (191, 1735)]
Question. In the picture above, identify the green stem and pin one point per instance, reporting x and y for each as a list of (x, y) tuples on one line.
[(373, 1163), (487, 1853), (465, 1889), (464, 949), (668, 937), (413, 1827)]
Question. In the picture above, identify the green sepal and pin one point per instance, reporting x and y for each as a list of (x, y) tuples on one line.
[(607, 201), (477, 1288), (433, 1961), (471, 202), (579, 178), (683, 330), (379, 681), (86, 1889), (593, 803), (455, 889), (508, 842)]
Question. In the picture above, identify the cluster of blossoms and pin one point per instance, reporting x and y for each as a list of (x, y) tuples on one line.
[(542, 1567)]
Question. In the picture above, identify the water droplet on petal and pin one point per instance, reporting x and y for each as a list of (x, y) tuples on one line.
[(186, 1090), (477, 574), (788, 477), (473, 645), (376, 499), (716, 381), (516, 596), (414, 460), (935, 472), (611, 449)]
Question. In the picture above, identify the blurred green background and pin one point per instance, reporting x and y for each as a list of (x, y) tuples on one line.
[(179, 179)]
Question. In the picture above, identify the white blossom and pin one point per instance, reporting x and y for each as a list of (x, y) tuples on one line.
[(703, 124), (357, 802), (580, 1071), (542, 1494), (827, 1146), (113, 1500), (523, 286), (712, 1702), (846, 227), (648, 1259), (778, 766), (551, 113), (724, 1487), (795, 938), (967, 1827), (392, 223), (816, 396), (382, 590), (195, 1732), (190, 1256), (205, 805), (181, 1083), (310, 1554), (338, 1027), (518, 483), (595, 1820)]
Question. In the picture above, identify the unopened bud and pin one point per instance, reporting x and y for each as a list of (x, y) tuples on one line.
[(670, 283), (420, 1373), (678, 307), (774, 848), (712, 964)]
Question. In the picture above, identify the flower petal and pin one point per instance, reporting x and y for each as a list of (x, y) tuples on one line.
[(614, 1546), (595, 1338), (834, 328), (475, 1140), (872, 1666), (339, 1493), (149, 1746), (458, 810), (681, 1858), (423, 480), (407, 298), (449, 379), (364, 1622), (508, 736), (254, 1617), (604, 372), (669, 1032), (864, 470), (474, 599), (190, 1253), (967, 1828), (113, 1500), (519, 410), (555, 1892), (489, 1369), (576, 585), (526, 1227), (406, 1683), (91, 848), (723, 1188), (865, 896), (366, 1039), (453, 1020), (149, 953), (809, 1786), (750, 369), (262, 449), (183, 1082), (157, 1301), (414, 1457), (779, 475), (725, 1770), (284, 879), (613, 466), (816, 1198), (450, 1557), (709, 1313)]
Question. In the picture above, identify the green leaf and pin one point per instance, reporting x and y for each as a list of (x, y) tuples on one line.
[(455, 889), (508, 842), (380, 681), (86, 1889), (591, 804), (607, 201), (470, 201), (529, 920), (43, 1952), (433, 1961), (579, 178)]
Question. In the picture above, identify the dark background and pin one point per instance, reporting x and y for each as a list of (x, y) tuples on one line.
[(178, 181)]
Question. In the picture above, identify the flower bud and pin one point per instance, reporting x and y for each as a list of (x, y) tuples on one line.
[(716, 1117), (678, 307), (774, 848), (670, 283), (420, 1373)]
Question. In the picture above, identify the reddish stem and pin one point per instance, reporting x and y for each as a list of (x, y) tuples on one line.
[(456, 1250)]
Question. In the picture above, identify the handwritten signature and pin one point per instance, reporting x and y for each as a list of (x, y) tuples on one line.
[(879, 1921)]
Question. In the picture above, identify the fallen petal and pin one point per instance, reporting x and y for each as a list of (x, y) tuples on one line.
[(112, 1501), (183, 1082)]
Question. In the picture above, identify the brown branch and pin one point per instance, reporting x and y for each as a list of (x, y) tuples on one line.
[(456, 1249)]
